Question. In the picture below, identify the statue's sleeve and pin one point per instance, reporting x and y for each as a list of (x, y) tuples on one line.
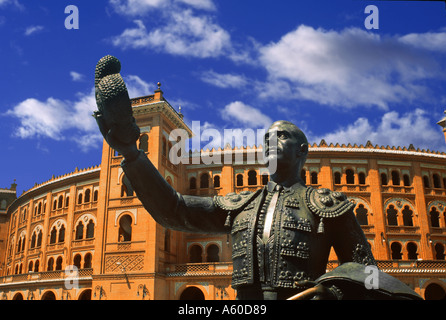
[(349, 241), (335, 212), (168, 207)]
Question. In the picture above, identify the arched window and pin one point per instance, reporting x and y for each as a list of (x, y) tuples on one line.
[(77, 261), (59, 263), (90, 229), (144, 143), (313, 177), (61, 234), (437, 181), (439, 251), (239, 180), (67, 201), (216, 181), (204, 181), (30, 266), (392, 216), (395, 247), (36, 266), (125, 228), (79, 198), (87, 195), (195, 253), (395, 178), (39, 239), (50, 265), (406, 180), (60, 202), (426, 182), (95, 195), (435, 218), (337, 178), (361, 178), (164, 146), (53, 235), (33, 240), (192, 183), (412, 251), (79, 231), (383, 179), (407, 216), (87, 261), (212, 253), (350, 176), (361, 215), (252, 178)]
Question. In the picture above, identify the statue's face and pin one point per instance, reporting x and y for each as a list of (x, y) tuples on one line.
[(288, 146)]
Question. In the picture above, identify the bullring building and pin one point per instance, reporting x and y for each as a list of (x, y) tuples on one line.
[(85, 235)]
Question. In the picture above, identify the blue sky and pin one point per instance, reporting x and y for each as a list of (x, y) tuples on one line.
[(229, 64)]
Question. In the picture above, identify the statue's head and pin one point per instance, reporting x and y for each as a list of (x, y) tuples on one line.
[(286, 144)]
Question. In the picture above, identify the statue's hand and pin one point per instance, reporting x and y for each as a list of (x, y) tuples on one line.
[(114, 116)]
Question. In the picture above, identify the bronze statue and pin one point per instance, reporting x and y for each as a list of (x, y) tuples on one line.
[(281, 234)]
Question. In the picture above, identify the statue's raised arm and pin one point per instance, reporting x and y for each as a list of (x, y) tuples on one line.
[(117, 124)]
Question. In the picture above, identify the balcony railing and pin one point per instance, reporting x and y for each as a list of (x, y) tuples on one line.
[(200, 269), (409, 266), (46, 275)]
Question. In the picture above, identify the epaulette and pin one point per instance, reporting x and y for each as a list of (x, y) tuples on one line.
[(325, 203), (235, 202)]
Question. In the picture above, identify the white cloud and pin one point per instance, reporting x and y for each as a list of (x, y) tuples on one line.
[(245, 115), (67, 120), (430, 41), (393, 129), (184, 34), (16, 3), (175, 28), (199, 4), (226, 80), (137, 7), (33, 29), (347, 68), (75, 76)]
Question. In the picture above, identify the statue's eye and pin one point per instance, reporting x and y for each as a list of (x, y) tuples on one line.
[(283, 135)]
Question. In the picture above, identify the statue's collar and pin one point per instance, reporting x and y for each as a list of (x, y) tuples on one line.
[(272, 186)]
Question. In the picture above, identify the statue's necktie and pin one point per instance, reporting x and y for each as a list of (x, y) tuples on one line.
[(270, 214)]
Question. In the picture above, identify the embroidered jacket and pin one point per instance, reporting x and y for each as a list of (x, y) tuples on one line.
[(305, 225)]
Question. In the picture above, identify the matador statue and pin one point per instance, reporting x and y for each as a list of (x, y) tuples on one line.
[(282, 234)]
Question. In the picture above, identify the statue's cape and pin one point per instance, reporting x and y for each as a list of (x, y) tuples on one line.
[(353, 279), (326, 203)]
